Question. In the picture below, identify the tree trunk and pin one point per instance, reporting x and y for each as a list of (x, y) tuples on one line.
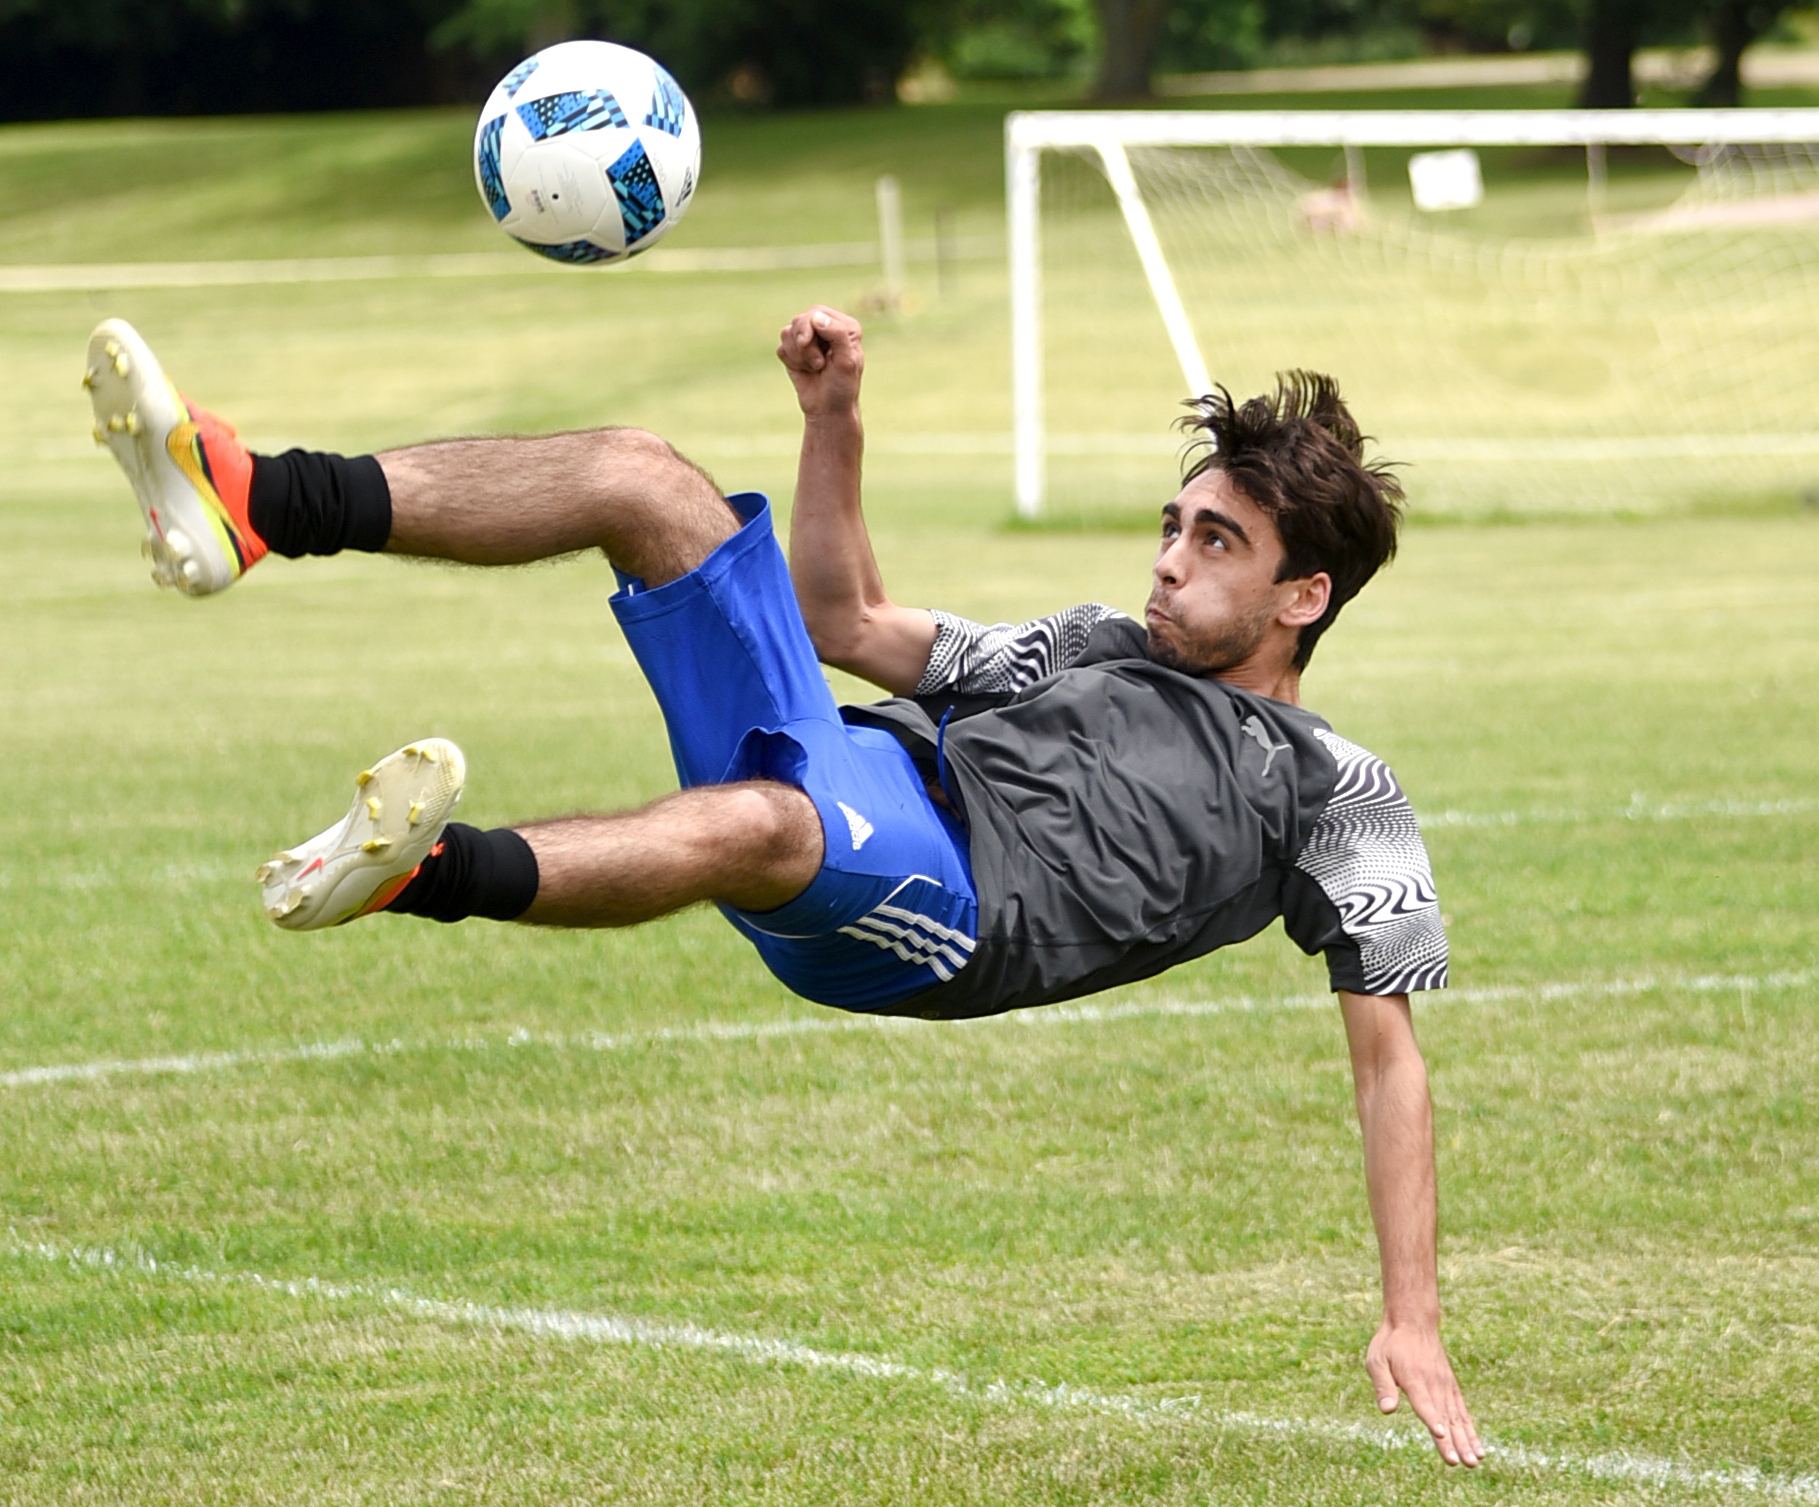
[(1610, 42), (1131, 31), (1734, 25)]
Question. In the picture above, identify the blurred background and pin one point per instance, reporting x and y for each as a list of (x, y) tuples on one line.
[(63, 59)]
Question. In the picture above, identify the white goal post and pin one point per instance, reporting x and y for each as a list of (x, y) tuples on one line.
[(1110, 136)]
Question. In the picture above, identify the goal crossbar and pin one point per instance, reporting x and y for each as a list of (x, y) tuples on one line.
[(1110, 133)]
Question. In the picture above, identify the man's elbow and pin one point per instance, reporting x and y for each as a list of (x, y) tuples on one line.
[(839, 637)]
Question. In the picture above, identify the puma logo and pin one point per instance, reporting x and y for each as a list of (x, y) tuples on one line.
[(856, 824), (1252, 727)]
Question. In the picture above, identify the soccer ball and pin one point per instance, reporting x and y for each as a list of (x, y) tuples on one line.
[(587, 152)]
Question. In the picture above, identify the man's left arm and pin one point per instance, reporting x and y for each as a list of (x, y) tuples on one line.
[(851, 620), (1397, 1118)]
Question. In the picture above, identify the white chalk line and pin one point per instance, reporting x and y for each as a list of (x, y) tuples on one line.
[(616, 1329), (182, 875), (1082, 1013), (1638, 810), (65, 277)]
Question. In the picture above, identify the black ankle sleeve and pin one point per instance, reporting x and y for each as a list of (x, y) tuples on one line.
[(305, 502), (472, 873)]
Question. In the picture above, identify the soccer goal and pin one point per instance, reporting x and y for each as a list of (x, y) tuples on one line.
[(1619, 314)]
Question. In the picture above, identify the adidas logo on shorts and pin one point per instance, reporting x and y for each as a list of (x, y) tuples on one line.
[(856, 824)]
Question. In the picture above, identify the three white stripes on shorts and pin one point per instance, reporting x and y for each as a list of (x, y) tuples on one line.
[(913, 937)]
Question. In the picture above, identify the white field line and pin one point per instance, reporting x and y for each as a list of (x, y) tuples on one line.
[(1083, 1013), (1459, 451), (1059, 445), (614, 1329), (67, 277), (1639, 810)]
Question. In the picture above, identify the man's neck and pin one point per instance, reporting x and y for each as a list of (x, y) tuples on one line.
[(1275, 682)]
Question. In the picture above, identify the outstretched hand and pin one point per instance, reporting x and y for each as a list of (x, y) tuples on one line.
[(820, 350), (1413, 1361)]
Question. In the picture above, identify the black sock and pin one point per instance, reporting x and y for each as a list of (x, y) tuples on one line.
[(304, 502), (472, 873)]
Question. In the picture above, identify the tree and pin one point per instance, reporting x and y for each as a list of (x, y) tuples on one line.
[(1129, 33), (1612, 34), (1733, 25), (788, 52), (62, 58)]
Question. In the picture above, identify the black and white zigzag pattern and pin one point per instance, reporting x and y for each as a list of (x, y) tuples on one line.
[(1367, 856), (974, 659)]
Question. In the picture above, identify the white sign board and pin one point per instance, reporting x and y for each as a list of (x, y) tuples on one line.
[(1446, 180)]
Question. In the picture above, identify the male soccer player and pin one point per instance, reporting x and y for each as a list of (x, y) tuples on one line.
[(1037, 812)]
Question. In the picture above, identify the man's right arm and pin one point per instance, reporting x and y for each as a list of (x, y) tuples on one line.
[(853, 624)]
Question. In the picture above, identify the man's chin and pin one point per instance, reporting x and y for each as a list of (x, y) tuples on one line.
[(1212, 659), (1169, 656)]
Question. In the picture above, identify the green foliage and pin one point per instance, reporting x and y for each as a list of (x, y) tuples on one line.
[(1251, 33), (787, 52), (1012, 39)]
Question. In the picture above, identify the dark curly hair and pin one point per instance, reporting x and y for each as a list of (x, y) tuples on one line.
[(1299, 456)]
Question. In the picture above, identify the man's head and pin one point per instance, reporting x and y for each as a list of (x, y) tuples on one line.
[(1279, 523)]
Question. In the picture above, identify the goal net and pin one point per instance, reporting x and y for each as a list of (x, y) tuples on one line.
[(1628, 322)]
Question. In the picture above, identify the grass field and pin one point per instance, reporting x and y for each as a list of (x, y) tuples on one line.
[(403, 1213)]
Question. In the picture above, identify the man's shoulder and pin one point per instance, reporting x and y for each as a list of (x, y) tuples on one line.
[(1364, 783)]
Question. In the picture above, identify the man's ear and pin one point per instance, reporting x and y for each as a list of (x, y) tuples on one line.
[(1306, 601)]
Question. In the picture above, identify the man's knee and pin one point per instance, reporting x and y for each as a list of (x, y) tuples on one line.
[(776, 830), (679, 516)]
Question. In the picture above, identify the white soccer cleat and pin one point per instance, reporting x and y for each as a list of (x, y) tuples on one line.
[(360, 864), (191, 474)]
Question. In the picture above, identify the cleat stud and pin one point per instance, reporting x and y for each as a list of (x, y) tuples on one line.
[(415, 812), (176, 541), (372, 807), (121, 365), (192, 571), (363, 777), (133, 426), (115, 424), (375, 845), (100, 434), (112, 348), (88, 378)]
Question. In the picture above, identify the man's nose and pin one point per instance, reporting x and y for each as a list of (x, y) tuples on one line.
[(1168, 565)]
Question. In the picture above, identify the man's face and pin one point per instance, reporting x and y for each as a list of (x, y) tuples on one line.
[(1215, 603)]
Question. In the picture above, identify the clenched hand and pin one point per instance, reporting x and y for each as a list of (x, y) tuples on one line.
[(820, 350)]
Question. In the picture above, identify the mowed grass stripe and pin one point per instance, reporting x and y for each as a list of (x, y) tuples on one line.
[(1081, 1013), (577, 1327), (1704, 808)]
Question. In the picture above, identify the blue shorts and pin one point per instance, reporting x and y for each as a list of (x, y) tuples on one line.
[(893, 910)]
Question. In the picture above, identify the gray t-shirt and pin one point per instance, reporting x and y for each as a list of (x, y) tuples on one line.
[(1124, 817)]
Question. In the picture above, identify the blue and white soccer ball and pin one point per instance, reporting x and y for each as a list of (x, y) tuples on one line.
[(587, 152)]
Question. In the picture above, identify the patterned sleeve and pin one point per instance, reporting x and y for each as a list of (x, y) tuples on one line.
[(1366, 855), (976, 659)]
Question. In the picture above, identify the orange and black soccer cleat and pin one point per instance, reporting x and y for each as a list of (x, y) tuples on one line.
[(192, 476)]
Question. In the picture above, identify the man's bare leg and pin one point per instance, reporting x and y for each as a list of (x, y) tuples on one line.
[(754, 845), (510, 501)]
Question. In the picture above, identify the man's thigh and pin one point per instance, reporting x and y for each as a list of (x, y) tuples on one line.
[(892, 912), (725, 651)]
